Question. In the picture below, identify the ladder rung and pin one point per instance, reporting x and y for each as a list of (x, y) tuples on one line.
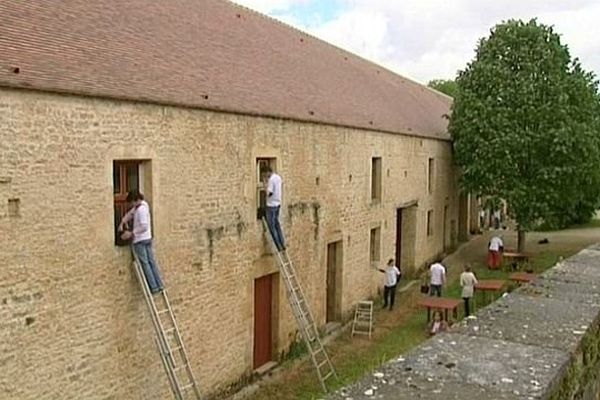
[(184, 365), (329, 374), (186, 387), (163, 311), (323, 363)]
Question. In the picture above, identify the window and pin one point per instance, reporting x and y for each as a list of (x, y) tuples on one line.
[(430, 223), (261, 184), (430, 175), (375, 245), (126, 177), (376, 179)]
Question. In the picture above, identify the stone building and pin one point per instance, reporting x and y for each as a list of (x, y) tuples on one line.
[(184, 100)]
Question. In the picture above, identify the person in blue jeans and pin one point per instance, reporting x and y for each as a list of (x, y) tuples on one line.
[(273, 207), (142, 238)]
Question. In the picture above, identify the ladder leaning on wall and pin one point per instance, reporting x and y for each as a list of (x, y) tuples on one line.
[(168, 339), (301, 310)]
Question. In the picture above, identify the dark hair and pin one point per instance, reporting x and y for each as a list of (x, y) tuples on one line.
[(391, 261), (267, 168), (134, 195), (467, 268)]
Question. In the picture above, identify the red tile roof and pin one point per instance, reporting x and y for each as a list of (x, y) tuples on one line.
[(209, 54)]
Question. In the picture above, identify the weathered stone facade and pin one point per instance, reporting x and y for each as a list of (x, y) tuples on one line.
[(72, 317)]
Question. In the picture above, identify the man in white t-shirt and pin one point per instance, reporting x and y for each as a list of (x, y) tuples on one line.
[(437, 273), (392, 275), (273, 206), (141, 236)]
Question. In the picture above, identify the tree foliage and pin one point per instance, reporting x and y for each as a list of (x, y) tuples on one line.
[(446, 86), (526, 126)]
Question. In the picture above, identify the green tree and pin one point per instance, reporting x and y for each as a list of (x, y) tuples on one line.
[(446, 86), (526, 125)]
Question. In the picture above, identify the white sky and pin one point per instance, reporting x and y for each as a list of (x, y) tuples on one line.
[(430, 39)]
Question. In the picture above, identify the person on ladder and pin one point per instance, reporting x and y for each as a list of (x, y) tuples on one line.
[(141, 236), (273, 207)]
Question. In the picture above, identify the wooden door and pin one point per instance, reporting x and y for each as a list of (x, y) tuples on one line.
[(263, 329), (399, 238)]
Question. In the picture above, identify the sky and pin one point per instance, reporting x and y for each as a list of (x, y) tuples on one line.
[(433, 39)]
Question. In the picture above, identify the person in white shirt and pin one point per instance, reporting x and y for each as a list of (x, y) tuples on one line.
[(468, 282), (495, 249), (273, 207), (437, 273), (141, 236), (390, 281)]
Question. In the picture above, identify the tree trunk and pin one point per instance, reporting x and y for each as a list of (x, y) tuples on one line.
[(520, 240)]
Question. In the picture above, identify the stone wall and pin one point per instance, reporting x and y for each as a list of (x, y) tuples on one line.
[(73, 321), (541, 341)]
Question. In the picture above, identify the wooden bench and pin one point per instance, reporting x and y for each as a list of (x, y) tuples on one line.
[(514, 258), (441, 303), (488, 286), (522, 277)]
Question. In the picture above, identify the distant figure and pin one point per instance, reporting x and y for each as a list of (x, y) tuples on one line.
[(141, 236), (481, 219), (392, 276), (274, 191), (497, 219), (495, 249), (437, 273), (468, 282), (438, 324)]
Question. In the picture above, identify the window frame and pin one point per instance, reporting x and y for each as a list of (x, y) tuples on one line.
[(375, 245), (430, 174), (261, 187), (120, 196), (429, 223), (376, 179)]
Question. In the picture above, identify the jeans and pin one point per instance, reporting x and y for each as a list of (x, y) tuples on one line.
[(435, 290), (145, 254), (389, 291), (274, 227)]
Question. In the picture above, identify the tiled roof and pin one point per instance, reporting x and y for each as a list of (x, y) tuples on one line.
[(210, 54)]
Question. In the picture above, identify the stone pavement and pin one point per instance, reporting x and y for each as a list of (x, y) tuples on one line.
[(523, 346)]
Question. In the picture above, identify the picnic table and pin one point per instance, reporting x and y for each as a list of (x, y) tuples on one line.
[(488, 286), (514, 257), (522, 277), (442, 303)]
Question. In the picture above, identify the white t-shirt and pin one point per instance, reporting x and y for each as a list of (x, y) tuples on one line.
[(274, 187), (391, 275), (496, 243), (142, 228), (438, 273)]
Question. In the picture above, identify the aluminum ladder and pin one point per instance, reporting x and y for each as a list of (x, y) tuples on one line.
[(168, 339), (363, 319), (301, 310)]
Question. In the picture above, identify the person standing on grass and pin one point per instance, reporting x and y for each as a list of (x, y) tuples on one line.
[(468, 282), (437, 274), (392, 276), (495, 249), (141, 236), (274, 190)]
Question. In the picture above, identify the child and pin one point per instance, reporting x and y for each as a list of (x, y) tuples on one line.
[(438, 324)]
